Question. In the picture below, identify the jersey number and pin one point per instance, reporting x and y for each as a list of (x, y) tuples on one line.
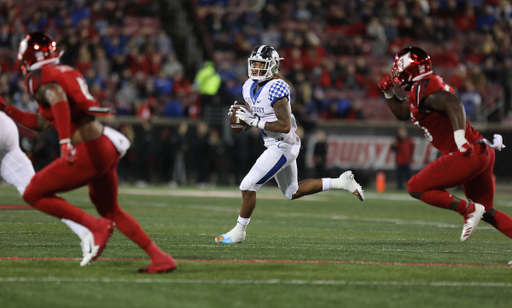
[(427, 134), (84, 88)]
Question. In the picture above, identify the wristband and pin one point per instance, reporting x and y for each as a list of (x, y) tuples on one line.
[(460, 137), (62, 141), (261, 124)]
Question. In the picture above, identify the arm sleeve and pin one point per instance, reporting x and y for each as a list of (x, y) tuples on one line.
[(62, 115)]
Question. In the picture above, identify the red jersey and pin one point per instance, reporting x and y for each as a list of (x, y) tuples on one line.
[(71, 81), (435, 125)]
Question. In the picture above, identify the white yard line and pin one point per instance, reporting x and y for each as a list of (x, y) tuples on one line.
[(262, 282), (207, 194)]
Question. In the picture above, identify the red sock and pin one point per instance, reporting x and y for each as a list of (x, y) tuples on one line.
[(60, 208), (502, 222), (438, 198), (465, 207), (130, 227), (154, 251)]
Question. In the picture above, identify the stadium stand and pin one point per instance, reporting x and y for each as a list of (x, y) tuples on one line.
[(323, 39), (140, 57)]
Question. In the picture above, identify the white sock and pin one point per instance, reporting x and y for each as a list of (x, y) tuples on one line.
[(79, 230), (326, 183), (241, 224), (243, 221)]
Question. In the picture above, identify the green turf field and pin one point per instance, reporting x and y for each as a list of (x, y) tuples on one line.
[(389, 251)]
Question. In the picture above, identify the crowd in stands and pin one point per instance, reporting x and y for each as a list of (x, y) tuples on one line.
[(335, 51), (120, 48)]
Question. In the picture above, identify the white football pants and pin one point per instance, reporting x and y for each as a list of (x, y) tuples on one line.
[(15, 168), (278, 161)]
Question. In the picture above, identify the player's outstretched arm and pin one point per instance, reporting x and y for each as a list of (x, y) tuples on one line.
[(27, 119), (398, 106)]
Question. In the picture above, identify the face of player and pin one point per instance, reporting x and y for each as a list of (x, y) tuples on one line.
[(258, 68)]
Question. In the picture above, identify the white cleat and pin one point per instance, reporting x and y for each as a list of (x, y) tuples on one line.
[(351, 185), (89, 250), (232, 237), (471, 222)]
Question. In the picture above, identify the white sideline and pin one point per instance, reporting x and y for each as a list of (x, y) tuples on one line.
[(263, 282)]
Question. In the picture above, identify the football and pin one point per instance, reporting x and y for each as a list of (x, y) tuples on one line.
[(236, 125)]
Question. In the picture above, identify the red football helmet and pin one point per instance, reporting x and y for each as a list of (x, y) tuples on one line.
[(411, 64), (37, 49)]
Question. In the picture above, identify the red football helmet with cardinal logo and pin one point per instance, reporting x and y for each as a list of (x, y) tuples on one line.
[(37, 49), (411, 64)]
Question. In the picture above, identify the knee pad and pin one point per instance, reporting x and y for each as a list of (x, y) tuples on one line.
[(247, 185)]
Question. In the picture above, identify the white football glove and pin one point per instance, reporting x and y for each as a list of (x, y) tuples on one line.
[(497, 143), (250, 118), (231, 109)]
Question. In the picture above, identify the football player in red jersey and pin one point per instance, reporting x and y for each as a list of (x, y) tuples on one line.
[(90, 151), (467, 159)]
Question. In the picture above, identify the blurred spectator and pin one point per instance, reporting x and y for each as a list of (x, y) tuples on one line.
[(173, 108), (84, 62), (207, 82), (217, 172), (467, 20), (172, 66), (143, 142), (164, 155), (477, 77), (404, 150), (472, 101), (180, 146), (458, 80), (355, 112), (375, 30), (128, 92), (163, 84), (5, 37), (164, 42), (320, 153)]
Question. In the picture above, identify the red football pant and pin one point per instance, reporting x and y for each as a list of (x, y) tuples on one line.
[(95, 166), (473, 173)]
